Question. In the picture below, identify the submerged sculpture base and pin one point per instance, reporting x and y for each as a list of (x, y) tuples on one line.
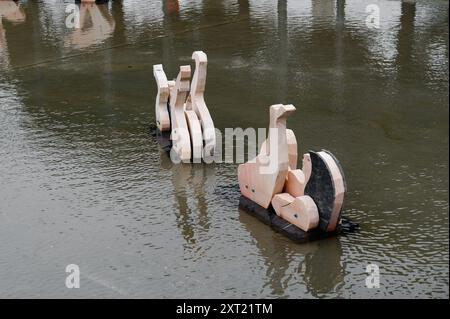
[(269, 217), (163, 138)]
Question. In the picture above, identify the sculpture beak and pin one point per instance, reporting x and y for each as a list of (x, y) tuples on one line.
[(288, 109)]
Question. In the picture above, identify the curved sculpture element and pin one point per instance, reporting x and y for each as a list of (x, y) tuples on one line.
[(312, 197), (292, 148), (181, 140), (326, 187), (196, 102), (263, 177), (295, 183), (297, 179), (306, 166), (195, 131), (162, 98)]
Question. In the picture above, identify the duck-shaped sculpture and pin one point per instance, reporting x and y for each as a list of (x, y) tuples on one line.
[(188, 118), (308, 198), (196, 102), (181, 140), (264, 176), (162, 99)]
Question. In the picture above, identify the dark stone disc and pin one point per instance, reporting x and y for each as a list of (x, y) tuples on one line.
[(321, 189)]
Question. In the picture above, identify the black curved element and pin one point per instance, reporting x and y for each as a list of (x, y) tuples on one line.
[(321, 189)]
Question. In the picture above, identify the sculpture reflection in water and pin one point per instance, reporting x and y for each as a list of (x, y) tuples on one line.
[(192, 185), (96, 25), (10, 11), (316, 265), (171, 6)]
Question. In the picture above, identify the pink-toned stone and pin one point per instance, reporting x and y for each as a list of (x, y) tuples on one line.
[(196, 102), (162, 99), (181, 140), (300, 211), (195, 132), (295, 183), (266, 176), (292, 149), (339, 189)]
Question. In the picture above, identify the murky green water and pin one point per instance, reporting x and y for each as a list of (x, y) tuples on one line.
[(81, 180)]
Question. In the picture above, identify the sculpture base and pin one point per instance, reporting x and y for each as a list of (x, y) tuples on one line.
[(269, 217), (163, 138)]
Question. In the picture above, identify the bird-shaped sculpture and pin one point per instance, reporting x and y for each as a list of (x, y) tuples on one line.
[(264, 176), (196, 102), (162, 99), (181, 140), (308, 198), (188, 117)]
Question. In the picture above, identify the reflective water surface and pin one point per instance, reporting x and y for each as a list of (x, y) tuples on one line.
[(82, 181)]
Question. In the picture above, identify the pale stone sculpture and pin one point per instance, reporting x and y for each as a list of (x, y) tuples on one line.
[(306, 166), (300, 211), (197, 126), (339, 190), (181, 141), (297, 179), (162, 99), (296, 184), (196, 102), (195, 133), (263, 177), (308, 198), (292, 149)]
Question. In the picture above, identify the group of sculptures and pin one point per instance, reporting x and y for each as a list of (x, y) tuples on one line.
[(309, 198), (181, 110)]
